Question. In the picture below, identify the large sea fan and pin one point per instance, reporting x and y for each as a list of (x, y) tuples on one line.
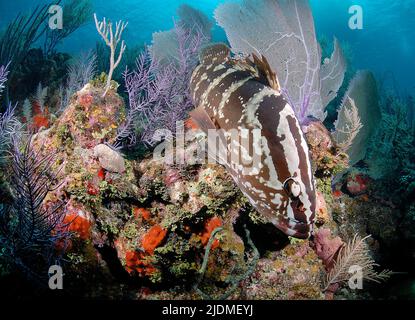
[(284, 32)]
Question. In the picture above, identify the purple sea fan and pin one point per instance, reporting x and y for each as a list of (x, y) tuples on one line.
[(181, 61), (158, 88), (9, 127), (177, 50), (146, 86)]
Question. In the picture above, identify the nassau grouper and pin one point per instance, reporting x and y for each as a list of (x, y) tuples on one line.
[(244, 95)]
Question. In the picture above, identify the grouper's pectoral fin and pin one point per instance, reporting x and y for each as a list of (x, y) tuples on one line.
[(216, 140), (205, 123)]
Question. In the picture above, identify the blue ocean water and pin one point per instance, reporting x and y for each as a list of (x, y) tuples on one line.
[(385, 45)]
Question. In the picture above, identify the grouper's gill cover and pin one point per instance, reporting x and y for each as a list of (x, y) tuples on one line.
[(243, 94)]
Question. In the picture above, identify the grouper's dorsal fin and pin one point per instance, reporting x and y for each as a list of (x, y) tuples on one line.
[(265, 71), (214, 53), (259, 69)]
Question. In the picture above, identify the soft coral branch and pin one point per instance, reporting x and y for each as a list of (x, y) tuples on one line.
[(9, 127), (112, 40)]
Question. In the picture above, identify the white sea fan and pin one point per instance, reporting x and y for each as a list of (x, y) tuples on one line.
[(40, 96), (332, 74), (82, 70), (4, 72), (193, 26), (347, 125), (194, 19), (27, 110), (284, 32), (364, 94)]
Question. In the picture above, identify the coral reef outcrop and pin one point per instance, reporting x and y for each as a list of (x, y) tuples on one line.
[(145, 223)]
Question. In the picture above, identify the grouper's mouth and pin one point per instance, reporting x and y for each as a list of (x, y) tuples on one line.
[(293, 227)]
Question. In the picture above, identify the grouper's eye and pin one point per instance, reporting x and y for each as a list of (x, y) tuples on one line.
[(292, 188)]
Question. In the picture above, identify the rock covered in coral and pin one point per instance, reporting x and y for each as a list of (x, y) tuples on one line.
[(146, 222), (293, 273), (317, 134), (88, 121), (165, 239), (327, 159), (90, 118), (323, 216)]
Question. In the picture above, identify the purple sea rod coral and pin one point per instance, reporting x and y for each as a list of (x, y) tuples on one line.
[(158, 87)]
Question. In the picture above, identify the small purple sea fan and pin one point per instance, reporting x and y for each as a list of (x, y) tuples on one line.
[(9, 127), (145, 87), (158, 88)]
